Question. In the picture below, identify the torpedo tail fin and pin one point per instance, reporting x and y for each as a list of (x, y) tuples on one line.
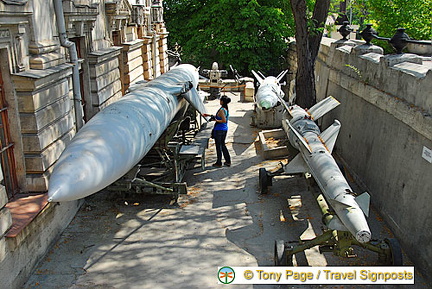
[(296, 166), (322, 107), (330, 135), (281, 75), (363, 201), (258, 77), (299, 137)]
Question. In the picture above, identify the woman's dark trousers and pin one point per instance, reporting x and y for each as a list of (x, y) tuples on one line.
[(220, 136)]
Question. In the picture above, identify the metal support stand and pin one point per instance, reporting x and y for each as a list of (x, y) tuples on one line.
[(162, 170), (339, 242)]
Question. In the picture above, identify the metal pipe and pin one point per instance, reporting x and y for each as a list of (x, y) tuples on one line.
[(65, 42), (155, 50)]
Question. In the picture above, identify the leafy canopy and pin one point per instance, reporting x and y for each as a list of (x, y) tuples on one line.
[(388, 15), (413, 15), (247, 34)]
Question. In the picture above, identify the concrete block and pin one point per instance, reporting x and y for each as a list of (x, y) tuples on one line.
[(37, 182), (35, 100), (249, 92), (134, 75), (21, 253), (38, 141), (132, 45), (33, 122), (39, 163), (104, 80), (3, 196), (3, 250), (132, 65), (112, 99), (269, 119), (5, 220), (46, 61), (414, 69), (364, 48), (371, 56), (104, 55), (104, 94), (102, 68), (393, 59), (274, 143), (131, 55), (38, 80)]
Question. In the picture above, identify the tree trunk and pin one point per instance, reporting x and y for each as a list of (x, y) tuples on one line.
[(307, 49), (305, 79), (319, 17)]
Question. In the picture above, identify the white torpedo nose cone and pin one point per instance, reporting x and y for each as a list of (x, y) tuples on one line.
[(54, 195)]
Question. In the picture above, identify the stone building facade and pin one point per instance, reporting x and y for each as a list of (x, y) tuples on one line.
[(62, 61)]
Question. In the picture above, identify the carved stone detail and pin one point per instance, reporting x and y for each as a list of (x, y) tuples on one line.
[(15, 2)]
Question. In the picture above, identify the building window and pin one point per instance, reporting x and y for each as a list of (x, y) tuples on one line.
[(8, 172)]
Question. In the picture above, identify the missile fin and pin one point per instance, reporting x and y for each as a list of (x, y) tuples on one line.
[(299, 136), (258, 77), (322, 107), (296, 165), (281, 75), (336, 224), (330, 135), (363, 201), (284, 104), (262, 75), (192, 96)]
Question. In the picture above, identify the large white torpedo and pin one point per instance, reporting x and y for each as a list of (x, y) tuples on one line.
[(119, 136)]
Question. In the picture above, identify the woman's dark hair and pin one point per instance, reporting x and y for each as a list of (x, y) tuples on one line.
[(225, 100)]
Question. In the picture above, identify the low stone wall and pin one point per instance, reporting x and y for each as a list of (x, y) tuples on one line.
[(20, 254), (386, 116)]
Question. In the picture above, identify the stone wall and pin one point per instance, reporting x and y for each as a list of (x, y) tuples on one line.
[(20, 254), (118, 43), (105, 79), (386, 116)]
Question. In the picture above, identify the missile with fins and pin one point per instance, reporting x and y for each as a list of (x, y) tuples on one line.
[(269, 91), (315, 149), (119, 136)]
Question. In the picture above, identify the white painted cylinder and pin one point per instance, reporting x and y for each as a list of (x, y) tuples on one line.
[(118, 137), (266, 96)]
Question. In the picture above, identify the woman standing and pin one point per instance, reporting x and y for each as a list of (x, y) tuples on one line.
[(220, 132)]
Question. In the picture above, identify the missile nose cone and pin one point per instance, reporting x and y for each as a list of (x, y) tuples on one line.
[(265, 104), (59, 191), (53, 194), (363, 236)]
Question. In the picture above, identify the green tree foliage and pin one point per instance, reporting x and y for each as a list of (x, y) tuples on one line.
[(413, 15), (247, 34)]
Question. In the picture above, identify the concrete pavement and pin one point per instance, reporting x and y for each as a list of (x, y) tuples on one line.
[(118, 241)]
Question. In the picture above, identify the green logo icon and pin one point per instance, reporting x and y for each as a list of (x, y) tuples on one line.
[(226, 275)]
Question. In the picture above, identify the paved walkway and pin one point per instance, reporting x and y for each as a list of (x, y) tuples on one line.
[(144, 242)]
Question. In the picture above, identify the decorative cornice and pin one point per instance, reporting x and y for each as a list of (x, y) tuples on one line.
[(119, 9), (15, 2)]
